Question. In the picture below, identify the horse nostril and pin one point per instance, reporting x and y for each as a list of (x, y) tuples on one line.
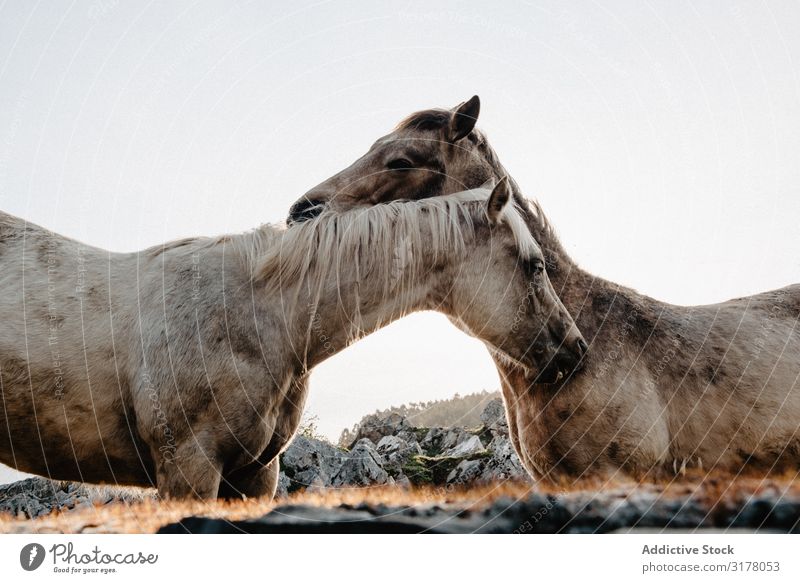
[(582, 346), (305, 209)]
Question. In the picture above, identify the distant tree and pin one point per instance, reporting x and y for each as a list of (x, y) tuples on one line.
[(457, 411), (309, 427)]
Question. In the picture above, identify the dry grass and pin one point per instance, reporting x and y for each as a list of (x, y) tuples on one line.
[(146, 516)]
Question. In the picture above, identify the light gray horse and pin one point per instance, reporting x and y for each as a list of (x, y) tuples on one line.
[(185, 365), (663, 386)]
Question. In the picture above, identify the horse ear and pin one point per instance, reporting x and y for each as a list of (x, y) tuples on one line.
[(498, 200), (464, 118)]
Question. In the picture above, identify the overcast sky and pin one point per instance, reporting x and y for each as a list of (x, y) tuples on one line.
[(662, 138)]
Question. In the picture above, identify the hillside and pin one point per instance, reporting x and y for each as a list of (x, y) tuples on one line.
[(457, 411)]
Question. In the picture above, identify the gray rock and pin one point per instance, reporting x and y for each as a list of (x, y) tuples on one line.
[(376, 427), (454, 436), (39, 496), (390, 445), (494, 413), (432, 440), (468, 447), (439, 439), (395, 451), (402, 481), (466, 472), (282, 491), (767, 512), (362, 466), (310, 463), (504, 463)]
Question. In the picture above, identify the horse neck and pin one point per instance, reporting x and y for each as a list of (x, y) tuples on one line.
[(586, 296), (332, 323), (336, 313)]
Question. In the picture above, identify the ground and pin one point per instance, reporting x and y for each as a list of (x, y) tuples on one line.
[(692, 501)]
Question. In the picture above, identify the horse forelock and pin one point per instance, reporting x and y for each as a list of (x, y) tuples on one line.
[(435, 120), (426, 120)]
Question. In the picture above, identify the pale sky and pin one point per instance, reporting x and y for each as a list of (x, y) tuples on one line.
[(661, 138)]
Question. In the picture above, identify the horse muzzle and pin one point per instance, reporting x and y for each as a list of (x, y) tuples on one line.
[(566, 361), (305, 209)]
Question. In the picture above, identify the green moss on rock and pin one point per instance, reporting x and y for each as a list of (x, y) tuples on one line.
[(422, 469)]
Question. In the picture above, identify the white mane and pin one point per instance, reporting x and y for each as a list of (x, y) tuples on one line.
[(379, 240)]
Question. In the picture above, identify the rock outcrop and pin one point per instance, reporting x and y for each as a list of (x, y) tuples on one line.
[(362, 466), (309, 463), (34, 497), (375, 427), (389, 450)]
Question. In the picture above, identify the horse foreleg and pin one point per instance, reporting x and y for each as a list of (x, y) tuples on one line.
[(261, 481), (190, 471)]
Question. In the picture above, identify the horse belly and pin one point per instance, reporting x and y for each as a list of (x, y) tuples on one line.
[(753, 417), (74, 436), (767, 432)]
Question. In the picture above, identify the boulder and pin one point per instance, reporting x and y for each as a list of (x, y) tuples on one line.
[(453, 437), (362, 466), (310, 463), (395, 450), (494, 413), (282, 491), (469, 447), (375, 427), (440, 439), (494, 419), (433, 438), (503, 463), (466, 472), (37, 496)]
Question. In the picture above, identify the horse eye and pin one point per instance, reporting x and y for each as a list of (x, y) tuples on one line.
[(400, 164)]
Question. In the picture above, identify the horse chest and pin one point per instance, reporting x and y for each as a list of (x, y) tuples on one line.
[(278, 425), (288, 412), (589, 427)]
